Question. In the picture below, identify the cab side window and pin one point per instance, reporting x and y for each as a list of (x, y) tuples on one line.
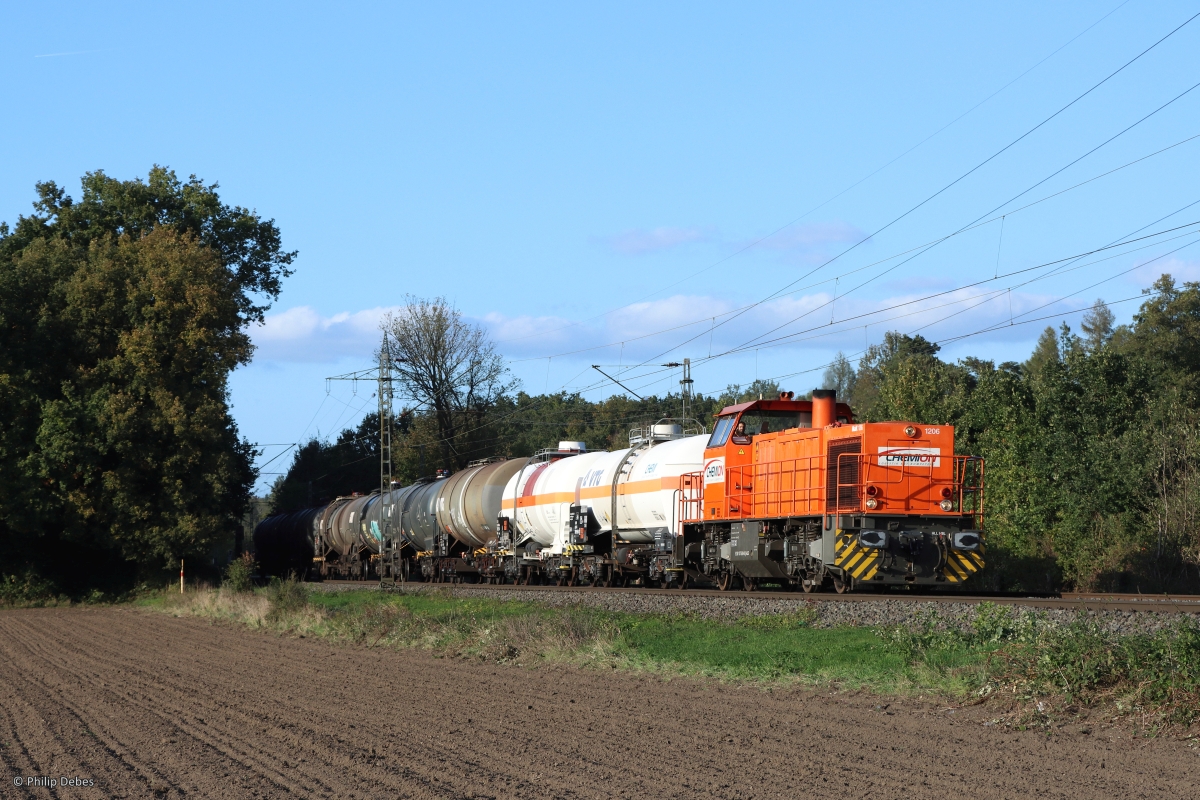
[(720, 433)]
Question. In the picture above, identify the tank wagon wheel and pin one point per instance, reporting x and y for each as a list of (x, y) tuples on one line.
[(749, 584), (685, 580), (573, 577), (809, 585), (725, 580)]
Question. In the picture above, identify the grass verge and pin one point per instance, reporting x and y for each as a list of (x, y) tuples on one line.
[(1034, 671)]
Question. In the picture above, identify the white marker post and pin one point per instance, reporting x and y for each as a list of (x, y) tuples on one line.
[(181, 576)]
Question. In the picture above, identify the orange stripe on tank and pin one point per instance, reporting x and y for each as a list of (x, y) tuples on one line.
[(596, 492)]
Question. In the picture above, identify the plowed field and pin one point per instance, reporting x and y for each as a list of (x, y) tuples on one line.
[(147, 705)]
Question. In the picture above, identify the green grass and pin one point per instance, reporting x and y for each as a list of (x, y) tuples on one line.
[(771, 649), (1008, 660), (750, 650)]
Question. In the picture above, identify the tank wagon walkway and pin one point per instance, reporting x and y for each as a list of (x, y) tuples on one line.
[(148, 705)]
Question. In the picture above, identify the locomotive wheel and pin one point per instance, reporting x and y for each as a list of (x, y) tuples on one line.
[(725, 580), (840, 585), (809, 585), (573, 577), (684, 580)]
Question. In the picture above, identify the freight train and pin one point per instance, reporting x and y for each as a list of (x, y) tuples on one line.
[(783, 492)]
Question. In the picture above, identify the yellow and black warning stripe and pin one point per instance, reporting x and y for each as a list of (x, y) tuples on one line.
[(861, 563), (962, 564)]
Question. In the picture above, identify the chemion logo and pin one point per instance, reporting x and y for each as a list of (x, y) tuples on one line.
[(910, 457)]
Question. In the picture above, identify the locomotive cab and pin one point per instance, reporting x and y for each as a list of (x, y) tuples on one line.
[(746, 427)]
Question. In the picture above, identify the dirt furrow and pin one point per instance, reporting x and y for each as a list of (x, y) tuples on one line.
[(253, 713), (81, 741), (172, 721), (464, 760)]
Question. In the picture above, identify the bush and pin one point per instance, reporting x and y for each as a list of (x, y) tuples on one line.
[(1158, 672), (286, 597), (239, 575), (27, 589)]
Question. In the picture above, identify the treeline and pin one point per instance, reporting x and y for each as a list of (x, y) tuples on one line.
[(1092, 444), (121, 316)]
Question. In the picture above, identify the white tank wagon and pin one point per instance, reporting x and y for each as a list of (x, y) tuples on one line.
[(606, 517)]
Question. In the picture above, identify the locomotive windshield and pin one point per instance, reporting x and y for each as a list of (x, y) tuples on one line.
[(759, 421), (752, 423)]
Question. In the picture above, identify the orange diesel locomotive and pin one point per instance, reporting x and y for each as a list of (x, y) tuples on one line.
[(797, 491)]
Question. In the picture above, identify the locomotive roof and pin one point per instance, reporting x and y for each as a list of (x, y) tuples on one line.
[(767, 405)]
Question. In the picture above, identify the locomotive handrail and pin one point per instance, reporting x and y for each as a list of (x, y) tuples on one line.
[(798, 487), (691, 497)]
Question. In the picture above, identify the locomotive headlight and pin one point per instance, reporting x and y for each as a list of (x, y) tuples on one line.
[(873, 538), (872, 503), (967, 540), (947, 505), (910, 432)]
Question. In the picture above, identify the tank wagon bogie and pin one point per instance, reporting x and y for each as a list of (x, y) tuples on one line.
[(792, 493)]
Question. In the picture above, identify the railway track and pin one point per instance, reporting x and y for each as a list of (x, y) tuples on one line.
[(1074, 601)]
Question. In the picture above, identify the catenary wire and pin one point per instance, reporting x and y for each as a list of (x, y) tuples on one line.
[(834, 197)]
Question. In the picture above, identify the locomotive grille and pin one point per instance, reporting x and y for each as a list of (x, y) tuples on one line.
[(841, 475)]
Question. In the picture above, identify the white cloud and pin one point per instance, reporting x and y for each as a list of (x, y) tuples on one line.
[(1179, 269), (302, 334), (684, 325), (639, 241)]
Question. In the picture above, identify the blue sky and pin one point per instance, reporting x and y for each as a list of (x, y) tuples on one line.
[(582, 177)]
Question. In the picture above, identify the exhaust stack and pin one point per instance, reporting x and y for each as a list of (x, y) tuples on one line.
[(824, 407)]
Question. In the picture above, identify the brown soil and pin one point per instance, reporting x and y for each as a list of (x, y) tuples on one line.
[(147, 705)]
